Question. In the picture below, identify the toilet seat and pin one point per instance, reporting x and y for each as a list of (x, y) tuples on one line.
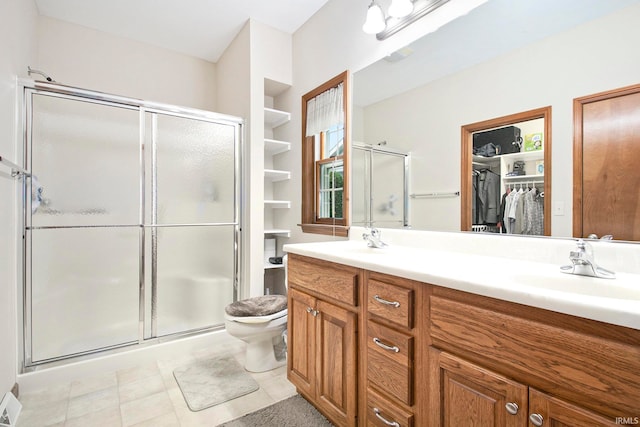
[(256, 319), (261, 309)]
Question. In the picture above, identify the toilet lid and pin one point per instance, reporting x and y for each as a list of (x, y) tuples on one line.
[(257, 306)]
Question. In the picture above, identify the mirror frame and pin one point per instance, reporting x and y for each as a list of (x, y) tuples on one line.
[(466, 155)]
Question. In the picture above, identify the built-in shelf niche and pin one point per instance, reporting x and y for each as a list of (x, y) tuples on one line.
[(276, 175), (277, 232), (273, 147), (277, 204), (274, 118)]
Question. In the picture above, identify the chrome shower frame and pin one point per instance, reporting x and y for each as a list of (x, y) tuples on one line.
[(26, 88)]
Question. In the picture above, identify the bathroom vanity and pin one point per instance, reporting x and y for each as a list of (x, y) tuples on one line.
[(400, 337)]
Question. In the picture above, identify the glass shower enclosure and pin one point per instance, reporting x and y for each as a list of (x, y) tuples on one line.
[(380, 181), (131, 221)]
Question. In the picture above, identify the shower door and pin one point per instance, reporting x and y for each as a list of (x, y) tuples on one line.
[(131, 223), (191, 217), (82, 226)]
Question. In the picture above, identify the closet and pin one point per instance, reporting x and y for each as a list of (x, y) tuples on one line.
[(506, 174)]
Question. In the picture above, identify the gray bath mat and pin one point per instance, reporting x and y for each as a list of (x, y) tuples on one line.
[(205, 383), (291, 412)]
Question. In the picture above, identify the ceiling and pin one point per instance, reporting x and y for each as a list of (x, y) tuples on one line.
[(200, 28)]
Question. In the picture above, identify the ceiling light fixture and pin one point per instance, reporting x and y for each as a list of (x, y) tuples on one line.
[(401, 14)]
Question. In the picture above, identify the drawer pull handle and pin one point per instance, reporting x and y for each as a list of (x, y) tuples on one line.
[(396, 304), (380, 344), (376, 411), (512, 408), (536, 419)]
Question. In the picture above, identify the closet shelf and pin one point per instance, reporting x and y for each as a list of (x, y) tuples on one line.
[(269, 266), (277, 204), (524, 155), (525, 177), (276, 175), (273, 146), (274, 118)]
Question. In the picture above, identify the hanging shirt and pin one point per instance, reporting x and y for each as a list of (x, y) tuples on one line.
[(533, 223)]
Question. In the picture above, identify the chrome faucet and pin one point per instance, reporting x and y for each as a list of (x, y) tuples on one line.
[(583, 263), (373, 239)]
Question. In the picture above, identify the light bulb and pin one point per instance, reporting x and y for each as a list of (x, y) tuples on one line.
[(375, 20), (400, 8)]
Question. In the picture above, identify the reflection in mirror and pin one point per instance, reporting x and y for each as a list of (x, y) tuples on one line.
[(506, 173), (489, 63), (380, 178)]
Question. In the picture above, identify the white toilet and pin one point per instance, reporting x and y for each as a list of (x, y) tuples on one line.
[(261, 322)]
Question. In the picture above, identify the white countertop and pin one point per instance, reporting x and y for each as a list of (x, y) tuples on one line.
[(537, 284)]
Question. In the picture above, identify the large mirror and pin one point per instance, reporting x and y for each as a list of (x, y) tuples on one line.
[(501, 59)]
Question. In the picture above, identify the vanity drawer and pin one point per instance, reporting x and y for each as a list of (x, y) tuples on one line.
[(382, 413), (324, 279), (390, 362), (390, 302)]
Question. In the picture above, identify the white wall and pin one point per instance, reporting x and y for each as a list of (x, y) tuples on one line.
[(257, 53), (593, 57), (87, 58), (18, 29), (234, 94)]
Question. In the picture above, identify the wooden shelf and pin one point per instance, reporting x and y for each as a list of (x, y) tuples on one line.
[(274, 118), (277, 204), (276, 175), (273, 146)]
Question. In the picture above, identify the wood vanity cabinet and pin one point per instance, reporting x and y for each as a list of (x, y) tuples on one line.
[(369, 349), (466, 394), (494, 363), (322, 337), (393, 313)]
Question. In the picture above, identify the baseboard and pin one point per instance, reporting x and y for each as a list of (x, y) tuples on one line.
[(15, 390)]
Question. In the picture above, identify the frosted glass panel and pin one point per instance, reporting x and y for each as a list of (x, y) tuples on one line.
[(360, 187), (86, 158), (84, 289), (387, 189), (195, 276), (195, 167)]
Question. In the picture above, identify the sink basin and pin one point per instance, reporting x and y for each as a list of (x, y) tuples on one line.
[(620, 288)]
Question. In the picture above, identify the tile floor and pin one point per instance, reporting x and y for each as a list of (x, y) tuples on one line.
[(145, 396)]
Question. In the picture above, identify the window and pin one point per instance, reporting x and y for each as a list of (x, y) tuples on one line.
[(325, 158)]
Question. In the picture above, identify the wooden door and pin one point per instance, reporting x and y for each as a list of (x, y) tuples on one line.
[(606, 158), (336, 363), (464, 394), (301, 342), (558, 413)]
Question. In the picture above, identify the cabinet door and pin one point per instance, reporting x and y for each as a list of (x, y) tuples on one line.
[(464, 394), (301, 342), (554, 412), (336, 363)]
